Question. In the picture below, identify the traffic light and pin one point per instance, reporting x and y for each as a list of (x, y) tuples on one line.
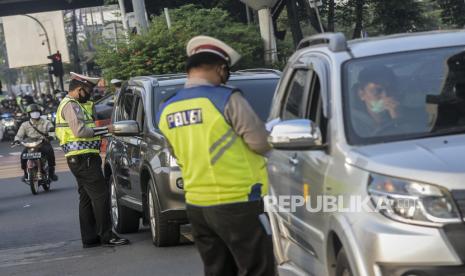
[(56, 67)]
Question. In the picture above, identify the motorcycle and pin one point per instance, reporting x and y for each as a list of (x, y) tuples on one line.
[(37, 165), (8, 125)]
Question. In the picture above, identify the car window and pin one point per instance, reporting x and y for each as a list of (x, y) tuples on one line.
[(315, 105), (404, 95), (125, 106), (294, 99), (139, 114), (259, 93)]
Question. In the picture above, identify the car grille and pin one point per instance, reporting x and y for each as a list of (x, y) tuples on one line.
[(459, 197)]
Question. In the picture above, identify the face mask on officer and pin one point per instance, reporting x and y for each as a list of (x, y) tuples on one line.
[(223, 72), (84, 95), (34, 115)]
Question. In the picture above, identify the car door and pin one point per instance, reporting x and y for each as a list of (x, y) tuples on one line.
[(313, 165), (135, 143), (120, 150), (285, 171)]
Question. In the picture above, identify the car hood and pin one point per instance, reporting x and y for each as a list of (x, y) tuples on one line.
[(439, 160)]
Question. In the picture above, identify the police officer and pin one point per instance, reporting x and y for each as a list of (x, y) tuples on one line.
[(117, 85), (81, 144), (37, 128), (219, 141)]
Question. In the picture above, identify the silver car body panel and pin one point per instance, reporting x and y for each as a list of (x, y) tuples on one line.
[(371, 239)]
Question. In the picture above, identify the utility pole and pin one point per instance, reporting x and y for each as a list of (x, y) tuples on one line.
[(266, 27), (267, 33), (167, 17), (123, 14), (76, 62), (141, 15)]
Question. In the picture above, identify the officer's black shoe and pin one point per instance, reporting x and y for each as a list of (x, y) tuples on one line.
[(115, 241)]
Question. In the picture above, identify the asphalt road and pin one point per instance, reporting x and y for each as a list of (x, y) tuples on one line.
[(39, 235)]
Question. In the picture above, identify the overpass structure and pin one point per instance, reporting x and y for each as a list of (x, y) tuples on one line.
[(15, 7)]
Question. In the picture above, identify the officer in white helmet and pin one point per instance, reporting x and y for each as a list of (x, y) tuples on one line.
[(219, 143), (80, 140)]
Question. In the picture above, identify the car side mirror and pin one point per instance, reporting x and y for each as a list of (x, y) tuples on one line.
[(298, 134), (126, 128), (111, 103)]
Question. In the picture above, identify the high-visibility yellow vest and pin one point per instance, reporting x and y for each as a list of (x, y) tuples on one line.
[(216, 164), (71, 144)]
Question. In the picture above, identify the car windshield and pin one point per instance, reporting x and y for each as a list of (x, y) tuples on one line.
[(404, 95), (258, 92)]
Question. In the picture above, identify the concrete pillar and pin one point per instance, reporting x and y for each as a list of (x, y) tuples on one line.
[(141, 15), (267, 33)]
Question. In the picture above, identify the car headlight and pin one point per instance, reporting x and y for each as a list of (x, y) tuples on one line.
[(412, 202), (8, 123)]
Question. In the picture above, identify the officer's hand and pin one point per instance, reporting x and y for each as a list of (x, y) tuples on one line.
[(15, 142), (110, 128)]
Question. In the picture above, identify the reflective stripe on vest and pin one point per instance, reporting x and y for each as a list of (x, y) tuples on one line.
[(75, 146), (216, 164), (70, 144)]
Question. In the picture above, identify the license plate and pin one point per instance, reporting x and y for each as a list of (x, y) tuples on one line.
[(32, 155)]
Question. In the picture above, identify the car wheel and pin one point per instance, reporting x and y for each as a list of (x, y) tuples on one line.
[(342, 264), (124, 219), (163, 232)]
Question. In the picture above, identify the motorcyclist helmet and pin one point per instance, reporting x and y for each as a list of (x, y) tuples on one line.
[(34, 111), (27, 100)]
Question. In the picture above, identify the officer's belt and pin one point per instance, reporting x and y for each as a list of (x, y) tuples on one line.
[(80, 145)]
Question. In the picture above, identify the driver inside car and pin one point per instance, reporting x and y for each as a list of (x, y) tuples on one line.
[(378, 97), (37, 128)]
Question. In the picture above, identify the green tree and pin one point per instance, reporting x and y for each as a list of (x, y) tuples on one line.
[(453, 12), (398, 16), (162, 50)]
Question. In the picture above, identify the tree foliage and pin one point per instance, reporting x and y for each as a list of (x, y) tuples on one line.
[(453, 12), (162, 50)]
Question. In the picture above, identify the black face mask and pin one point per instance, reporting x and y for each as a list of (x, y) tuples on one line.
[(85, 98), (224, 74)]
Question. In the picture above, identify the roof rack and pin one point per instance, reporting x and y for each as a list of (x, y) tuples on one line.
[(258, 70), (336, 41)]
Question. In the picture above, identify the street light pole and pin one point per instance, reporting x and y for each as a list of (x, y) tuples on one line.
[(48, 45)]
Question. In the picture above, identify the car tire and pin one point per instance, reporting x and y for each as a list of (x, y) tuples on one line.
[(342, 264), (163, 232), (124, 219)]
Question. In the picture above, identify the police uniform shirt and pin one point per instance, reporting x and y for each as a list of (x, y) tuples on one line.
[(75, 117), (26, 130), (242, 118)]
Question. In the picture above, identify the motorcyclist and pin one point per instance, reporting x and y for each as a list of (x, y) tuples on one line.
[(26, 100), (37, 128), (9, 105)]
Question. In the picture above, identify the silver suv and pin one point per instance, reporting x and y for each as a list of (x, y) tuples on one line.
[(368, 168)]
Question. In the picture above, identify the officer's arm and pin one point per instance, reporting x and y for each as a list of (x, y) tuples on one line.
[(246, 123), (75, 118), (21, 132)]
